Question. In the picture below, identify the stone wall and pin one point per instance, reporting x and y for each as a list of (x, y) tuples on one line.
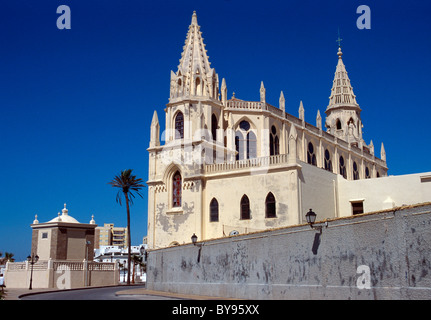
[(382, 255)]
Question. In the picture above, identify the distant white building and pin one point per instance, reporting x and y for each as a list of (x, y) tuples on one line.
[(119, 254)]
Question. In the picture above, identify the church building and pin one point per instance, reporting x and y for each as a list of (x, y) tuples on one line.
[(231, 166)]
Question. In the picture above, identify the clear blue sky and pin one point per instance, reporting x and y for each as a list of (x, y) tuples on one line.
[(76, 105)]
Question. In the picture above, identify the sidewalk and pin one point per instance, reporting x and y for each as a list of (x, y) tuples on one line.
[(13, 293), (142, 291)]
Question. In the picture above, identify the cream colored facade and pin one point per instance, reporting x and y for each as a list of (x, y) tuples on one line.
[(231, 166)]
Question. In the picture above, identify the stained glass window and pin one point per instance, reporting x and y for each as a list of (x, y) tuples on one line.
[(176, 190)]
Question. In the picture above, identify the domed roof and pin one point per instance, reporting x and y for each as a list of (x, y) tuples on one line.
[(64, 217)]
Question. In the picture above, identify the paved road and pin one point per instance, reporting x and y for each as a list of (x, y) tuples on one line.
[(106, 293)]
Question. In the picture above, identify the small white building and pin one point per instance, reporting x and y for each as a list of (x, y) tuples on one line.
[(62, 257)]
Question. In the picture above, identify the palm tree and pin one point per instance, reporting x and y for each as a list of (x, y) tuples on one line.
[(9, 256), (128, 185), (136, 261)]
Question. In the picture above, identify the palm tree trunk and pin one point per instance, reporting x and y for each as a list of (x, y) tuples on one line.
[(133, 274), (128, 239)]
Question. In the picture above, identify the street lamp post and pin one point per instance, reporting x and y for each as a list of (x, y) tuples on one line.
[(194, 241), (311, 219), (87, 243), (32, 260)]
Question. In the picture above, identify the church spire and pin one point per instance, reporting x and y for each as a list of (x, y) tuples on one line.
[(342, 92), (194, 77), (343, 114)]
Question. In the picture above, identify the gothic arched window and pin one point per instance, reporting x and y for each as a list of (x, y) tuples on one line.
[(214, 124), (244, 125), (198, 87), (214, 210), (311, 157), (245, 142), (237, 144), (179, 126), (251, 145), (176, 190), (270, 211), (355, 171), (328, 162), (179, 87), (343, 168), (245, 208), (274, 144), (367, 173)]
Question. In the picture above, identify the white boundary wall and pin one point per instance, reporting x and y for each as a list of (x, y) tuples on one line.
[(383, 255), (61, 274)]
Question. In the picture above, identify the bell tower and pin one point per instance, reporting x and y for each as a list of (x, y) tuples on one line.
[(343, 114), (193, 136), (194, 110), (194, 76)]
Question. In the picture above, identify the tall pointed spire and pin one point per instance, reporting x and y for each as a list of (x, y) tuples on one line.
[(383, 152), (342, 92), (282, 102), (262, 92), (301, 111), (318, 120), (343, 114), (194, 77), (223, 91), (155, 131)]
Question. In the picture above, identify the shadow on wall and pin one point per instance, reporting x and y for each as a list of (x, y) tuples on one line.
[(316, 243)]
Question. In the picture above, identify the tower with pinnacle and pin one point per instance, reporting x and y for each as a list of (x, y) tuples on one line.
[(343, 114), (226, 166)]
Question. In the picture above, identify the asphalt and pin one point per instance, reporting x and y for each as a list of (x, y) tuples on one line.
[(142, 291), (15, 294)]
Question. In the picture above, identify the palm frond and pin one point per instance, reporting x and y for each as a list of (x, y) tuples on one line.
[(128, 184)]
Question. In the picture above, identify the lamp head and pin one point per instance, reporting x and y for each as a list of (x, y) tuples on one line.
[(33, 257), (311, 217), (194, 239)]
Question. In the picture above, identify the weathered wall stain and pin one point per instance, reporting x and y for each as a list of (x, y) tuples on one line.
[(298, 263)]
